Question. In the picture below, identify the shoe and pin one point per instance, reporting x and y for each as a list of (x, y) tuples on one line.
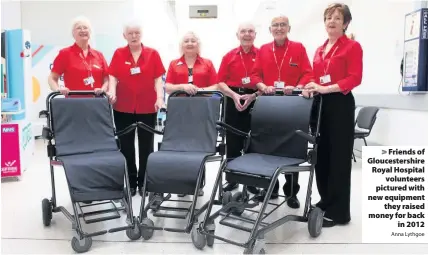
[(133, 191), (200, 192), (230, 186), (293, 202), (328, 223), (253, 190), (181, 195), (140, 191)]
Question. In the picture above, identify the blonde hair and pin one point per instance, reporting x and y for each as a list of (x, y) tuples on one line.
[(197, 40)]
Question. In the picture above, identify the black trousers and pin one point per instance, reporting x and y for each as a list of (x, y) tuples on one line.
[(127, 144), (334, 160), (239, 120)]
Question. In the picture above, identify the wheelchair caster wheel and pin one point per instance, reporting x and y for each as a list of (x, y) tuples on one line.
[(81, 246), (227, 197), (46, 212), (238, 197), (259, 247), (133, 233), (315, 221), (146, 233), (210, 239), (198, 239)]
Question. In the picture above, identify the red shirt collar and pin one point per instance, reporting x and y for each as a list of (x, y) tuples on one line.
[(341, 39), (239, 49), (128, 51), (79, 50), (198, 59), (281, 46)]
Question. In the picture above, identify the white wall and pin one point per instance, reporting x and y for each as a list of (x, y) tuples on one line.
[(10, 15)]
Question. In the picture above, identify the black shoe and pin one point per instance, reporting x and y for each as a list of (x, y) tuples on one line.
[(293, 202), (230, 186), (328, 223), (133, 191), (274, 194), (140, 191), (253, 190)]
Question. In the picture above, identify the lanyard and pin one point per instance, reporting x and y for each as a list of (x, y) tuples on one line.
[(276, 61), (88, 66), (243, 63), (328, 64)]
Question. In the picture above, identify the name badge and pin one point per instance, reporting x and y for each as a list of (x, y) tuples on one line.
[(279, 84), (325, 79), (135, 70), (190, 80), (89, 81), (246, 80)]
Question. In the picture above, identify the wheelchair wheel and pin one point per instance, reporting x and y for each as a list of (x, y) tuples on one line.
[(46, 212), (198, 239), (146, 233), (134, 233), (81, 246), (315, 220), (238, 197)]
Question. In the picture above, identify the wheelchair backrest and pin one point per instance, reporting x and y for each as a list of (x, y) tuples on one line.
[(190, 124), (274, 122), (82, 125)]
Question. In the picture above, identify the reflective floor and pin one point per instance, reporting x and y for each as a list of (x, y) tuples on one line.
[(24, 233)]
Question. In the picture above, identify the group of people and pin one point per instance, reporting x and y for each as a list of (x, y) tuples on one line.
[(133, 81)]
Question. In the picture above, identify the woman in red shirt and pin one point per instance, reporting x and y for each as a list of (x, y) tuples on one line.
[(338, 68), (83, 67), (136, 89), (191, 72)]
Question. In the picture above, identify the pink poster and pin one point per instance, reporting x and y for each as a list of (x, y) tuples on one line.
[(10, 160)]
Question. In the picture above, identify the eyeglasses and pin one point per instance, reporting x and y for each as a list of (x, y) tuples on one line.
[(282, 24), (244, 31)]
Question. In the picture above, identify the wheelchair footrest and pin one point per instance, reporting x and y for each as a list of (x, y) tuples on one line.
[(172, 209), (119, 229), (90, 221), (238, 218), (99, 233)]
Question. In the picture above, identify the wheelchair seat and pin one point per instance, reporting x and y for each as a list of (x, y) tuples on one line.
[(85, 144), (95, 176), (260, 164), (175, 171)]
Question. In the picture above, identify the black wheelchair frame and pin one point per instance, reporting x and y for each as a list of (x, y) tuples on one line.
[(81, 241), (234, 206), (155, 200)]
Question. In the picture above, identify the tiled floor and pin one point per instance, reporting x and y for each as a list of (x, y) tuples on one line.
[(24, 233)]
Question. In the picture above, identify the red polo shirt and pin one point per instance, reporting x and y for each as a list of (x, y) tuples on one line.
[(204, 73), (295, 70), (71, 63), (344, 64), (236, 65), (136, 93)]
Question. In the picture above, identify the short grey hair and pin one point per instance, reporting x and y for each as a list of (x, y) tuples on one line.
[(81, 19), (134, 23), (182, 41)]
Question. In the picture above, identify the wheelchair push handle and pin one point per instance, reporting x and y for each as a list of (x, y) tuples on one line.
[(198, 93), (78, 93), (294, 92), (162, 110)]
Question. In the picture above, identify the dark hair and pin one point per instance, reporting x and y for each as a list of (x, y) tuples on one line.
[(343, 9)]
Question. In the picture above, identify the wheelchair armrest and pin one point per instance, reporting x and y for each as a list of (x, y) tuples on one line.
[(43, 114), (126, 130), (148, 128), (307, 136), (47, 133), (232, 129)]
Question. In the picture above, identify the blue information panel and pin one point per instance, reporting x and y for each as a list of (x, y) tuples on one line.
[(415, 69)]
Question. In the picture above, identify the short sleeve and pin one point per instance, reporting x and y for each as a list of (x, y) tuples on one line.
[(113, 68), (158, 65), (60, 62), (170, 77)]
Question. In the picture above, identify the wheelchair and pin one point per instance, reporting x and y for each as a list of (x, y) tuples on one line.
[(190, 140), (82, 139), (278, 143)]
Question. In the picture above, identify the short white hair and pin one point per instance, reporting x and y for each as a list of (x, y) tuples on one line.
[(198, 40), (279, 16), (80, 19), (133, 23), (244, 24)]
